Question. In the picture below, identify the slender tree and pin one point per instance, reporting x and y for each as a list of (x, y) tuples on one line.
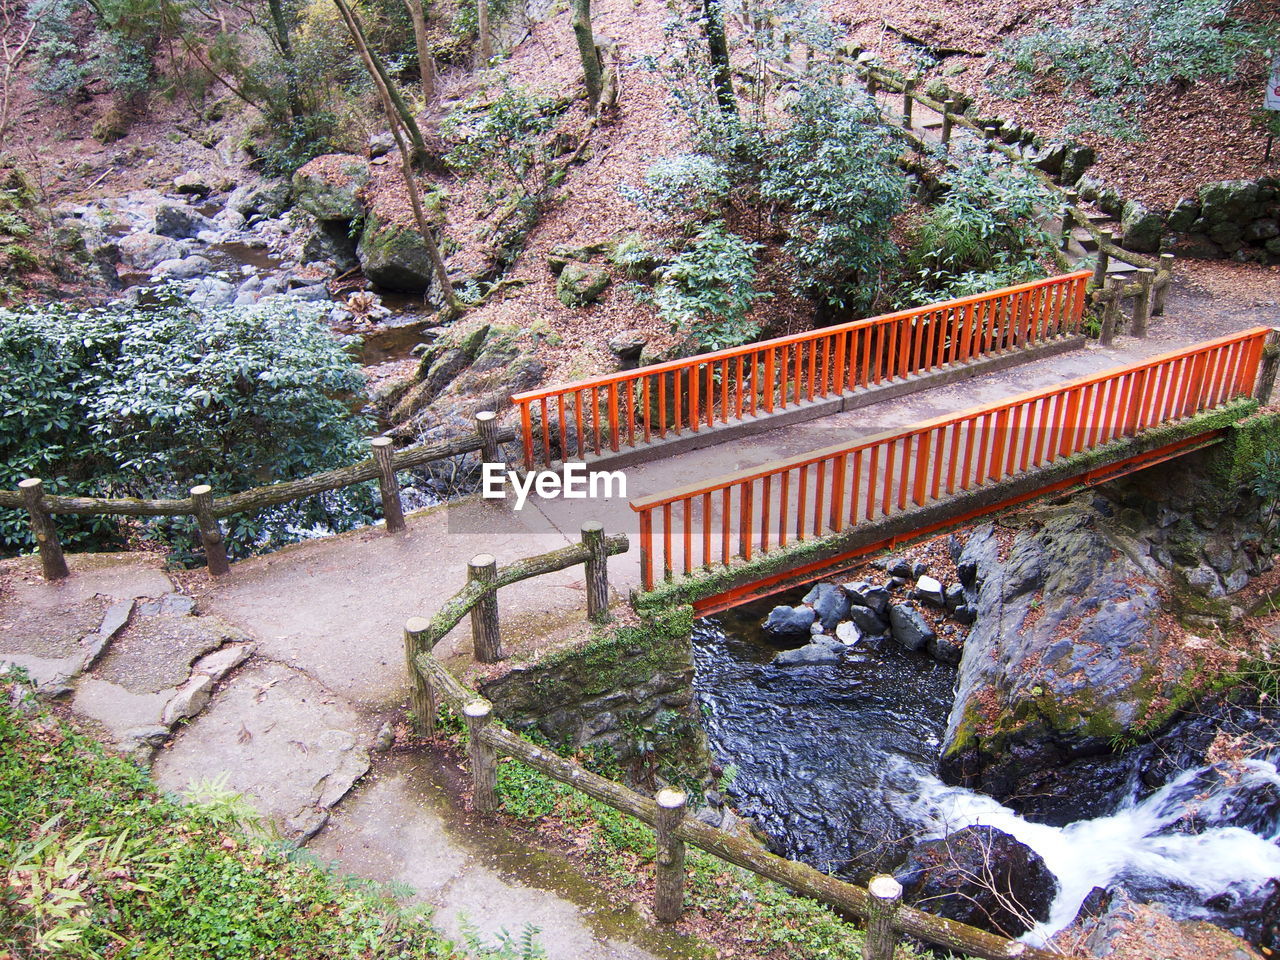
[(406, 157), (587, 50), (285, 45), (399, 109), (482, 17), (426, 63), (718, 46)]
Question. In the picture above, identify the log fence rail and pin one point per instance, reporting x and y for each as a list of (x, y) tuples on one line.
[(208, 509), (433, 685)]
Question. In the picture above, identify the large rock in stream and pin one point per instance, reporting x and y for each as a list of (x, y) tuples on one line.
[(394, 257), (983, 877), (329, 187), (1072, 651)]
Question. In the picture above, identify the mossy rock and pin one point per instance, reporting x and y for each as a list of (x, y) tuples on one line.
[(394, 257), (1229, 201), (328, 187), (563, 253), (580, 284), (1142, 228)]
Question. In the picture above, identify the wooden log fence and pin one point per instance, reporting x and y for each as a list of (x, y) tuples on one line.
[(207, 509), (716, 523), (880, 905), (479, 599), (649, 404)]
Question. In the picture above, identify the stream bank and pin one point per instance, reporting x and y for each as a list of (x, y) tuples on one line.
[(1087, 711)]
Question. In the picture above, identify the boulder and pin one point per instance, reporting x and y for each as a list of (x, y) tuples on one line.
[(142, 251), (262, 199), (331, 240), (790, 623), (1141, 228), (947, 648), (1261, 230), (393, 256), (819, 653), (1067, 652), (1229, 201), (1184, 213), (830, 604), (580, 284), (627, 346), (848, 633), (930, 591), (380, 144), (868, 622), (180, 221), (184, 268), (981, 876), (328, 187), (863, 594), (1075, 162), (909, 628), (211, 292), (192, 184)]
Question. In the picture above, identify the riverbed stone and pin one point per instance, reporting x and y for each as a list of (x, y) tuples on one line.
[(830, 604), (819, 653), (863, 594), (868, 622), (909, 628), (790, 623), (182, 268), (331, 241), (329, 186), (942, 877), (929, 589), (143, 250), (393, 256), (848, 633), (180, 221)]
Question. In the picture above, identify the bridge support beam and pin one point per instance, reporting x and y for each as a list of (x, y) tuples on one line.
[(1270, 363)]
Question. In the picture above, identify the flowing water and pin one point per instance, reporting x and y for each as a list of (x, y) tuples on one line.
[(837, 765)]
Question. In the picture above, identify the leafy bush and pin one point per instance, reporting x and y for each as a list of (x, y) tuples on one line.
[(501, 139), (687, 188), (985, 233), (97, 863), (834, 167), (708, 289), (150, 401), (1115, 51)]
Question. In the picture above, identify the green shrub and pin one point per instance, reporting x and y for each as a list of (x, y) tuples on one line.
[(707, 291), (687, 188), (152, 400), (502, 140), (985, 233), (834, 168), (97, 864), (1115, 52)]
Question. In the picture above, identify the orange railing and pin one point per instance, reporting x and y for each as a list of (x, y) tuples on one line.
[(637, 407), (825, 491)]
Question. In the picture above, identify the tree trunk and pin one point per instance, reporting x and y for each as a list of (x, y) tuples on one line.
[(587, 50), (426, 63), (387, 95), (718, 46), (285, 46), (400, 110), (482, 28)]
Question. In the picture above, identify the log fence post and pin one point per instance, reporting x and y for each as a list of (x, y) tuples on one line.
[(392, 508), (211, 536), (53, 565), (484, 759), (597, 572), (1110, 311), (948, 118), (422, 695), (1267, 372), (989, 137), (1162, 285), (486, 638), (1068, 222), (1142, 303), (487, 430), (1104, 259), (668, 888), (908, 103), (886, 898)]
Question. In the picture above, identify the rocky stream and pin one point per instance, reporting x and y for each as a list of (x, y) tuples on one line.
[(1019, 725)]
